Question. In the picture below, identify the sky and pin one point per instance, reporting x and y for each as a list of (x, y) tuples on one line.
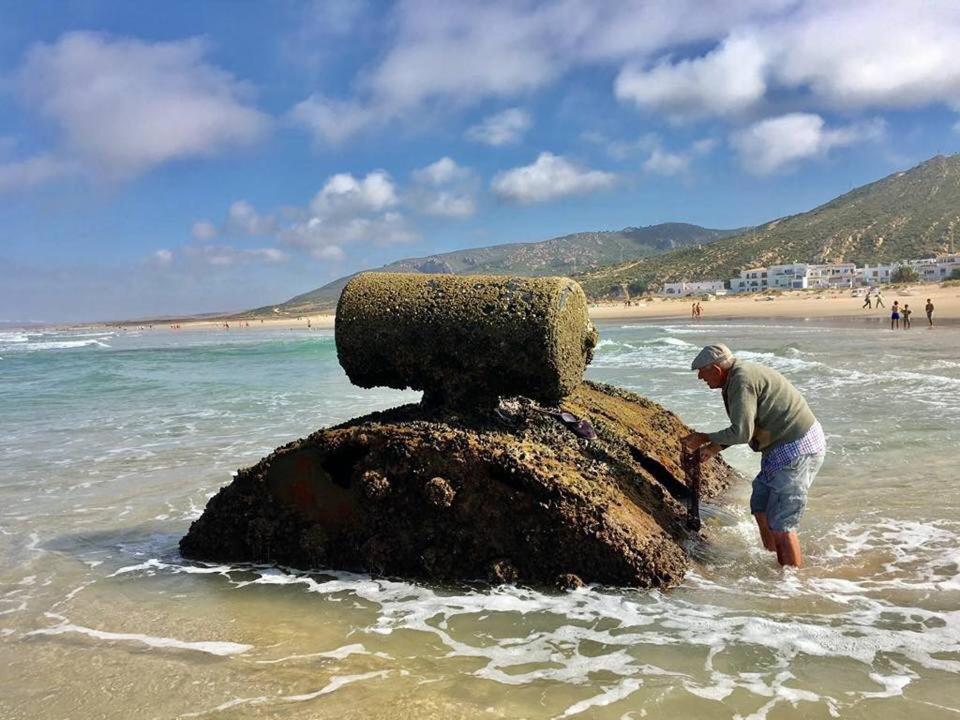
[(187, 157)]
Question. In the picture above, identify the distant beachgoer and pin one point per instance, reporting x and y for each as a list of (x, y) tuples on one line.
[(895, 315), (769, 414), (693, 311), (878, 300), (699, 311), (929, 309), (866, 302), (906, 312)]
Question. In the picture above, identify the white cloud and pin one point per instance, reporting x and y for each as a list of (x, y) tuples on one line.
[(501, 129), (444, 189), (343, 194), (124, 106), (876, 53), (204, 230), (443, 171), (243, 219), (227, 255), (727, 80), (808, 54), (325, 238), (664, 162), (777, 143), (32, 171), (350, 211), (460, 52), (331, 122), (162, 258), (549, 178)]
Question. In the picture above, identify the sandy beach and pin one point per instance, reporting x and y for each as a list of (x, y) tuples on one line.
[(798, 304)]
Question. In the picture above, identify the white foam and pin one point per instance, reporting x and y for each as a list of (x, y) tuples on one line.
[(210, 647), (64, 344)]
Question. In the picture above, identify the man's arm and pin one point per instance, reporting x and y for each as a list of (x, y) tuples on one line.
[(742, 410)]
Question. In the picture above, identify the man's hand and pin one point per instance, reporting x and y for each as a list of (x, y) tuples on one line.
[(708, 451), (694, 440)]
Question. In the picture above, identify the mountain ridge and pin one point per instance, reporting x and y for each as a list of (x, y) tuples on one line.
[(907, 214)]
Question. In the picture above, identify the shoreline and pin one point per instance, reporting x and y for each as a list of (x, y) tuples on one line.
[(828, 307)]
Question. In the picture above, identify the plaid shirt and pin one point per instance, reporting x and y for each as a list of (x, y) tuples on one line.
[(811, 443)]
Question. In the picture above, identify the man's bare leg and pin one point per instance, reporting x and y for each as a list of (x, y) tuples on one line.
[(788, 548), (766, 534)]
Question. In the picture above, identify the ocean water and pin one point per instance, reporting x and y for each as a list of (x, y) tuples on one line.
[(112, 441)]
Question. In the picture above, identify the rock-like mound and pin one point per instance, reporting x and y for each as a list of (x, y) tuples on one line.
[(508, 494)]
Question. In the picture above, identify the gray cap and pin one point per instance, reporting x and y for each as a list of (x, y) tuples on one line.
[(711, 354)]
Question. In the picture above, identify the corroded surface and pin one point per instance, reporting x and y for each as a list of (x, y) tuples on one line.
[(465, 340), (507, 495)]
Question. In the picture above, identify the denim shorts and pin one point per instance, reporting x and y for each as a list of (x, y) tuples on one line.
[(782, 494)]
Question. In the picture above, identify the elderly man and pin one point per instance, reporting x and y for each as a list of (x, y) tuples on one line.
[(769, 414)]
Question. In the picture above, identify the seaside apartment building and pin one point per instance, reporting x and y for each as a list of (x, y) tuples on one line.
[(800, 276), (694, 288), (752, 280)]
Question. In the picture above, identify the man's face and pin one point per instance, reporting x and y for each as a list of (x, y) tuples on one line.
[(712, 375)]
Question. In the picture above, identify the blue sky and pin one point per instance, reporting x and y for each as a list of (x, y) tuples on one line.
[(186, 157)]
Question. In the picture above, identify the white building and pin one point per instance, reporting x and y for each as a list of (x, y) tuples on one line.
[(833, 275), (693, 288), (935, 269), (788, 277), (752, 280)]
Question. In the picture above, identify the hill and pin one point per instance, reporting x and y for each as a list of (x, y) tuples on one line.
[(566, 255), (908, 214)]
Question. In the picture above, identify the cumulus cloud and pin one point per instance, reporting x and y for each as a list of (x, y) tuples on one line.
[(32, 171), (548, 178), (204, 231), (777, 143), (243, 219), (871, 54), (728, 80), (124, 106), (325, 237), (343, 194), (349, 211), (444, 189), (501, 129)]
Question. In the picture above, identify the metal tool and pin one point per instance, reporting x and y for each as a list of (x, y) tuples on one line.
[(690, 461)]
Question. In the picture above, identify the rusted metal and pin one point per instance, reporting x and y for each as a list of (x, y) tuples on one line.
[(690, 461)]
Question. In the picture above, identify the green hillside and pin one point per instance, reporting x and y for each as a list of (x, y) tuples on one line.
[(567, 255), (909, 214)]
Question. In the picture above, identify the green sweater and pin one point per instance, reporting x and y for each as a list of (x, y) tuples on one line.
[(765, 410)]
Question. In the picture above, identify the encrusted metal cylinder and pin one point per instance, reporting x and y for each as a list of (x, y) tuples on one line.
[(465, 340)]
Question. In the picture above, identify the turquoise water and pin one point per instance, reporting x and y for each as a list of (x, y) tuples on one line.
[(112, 441)]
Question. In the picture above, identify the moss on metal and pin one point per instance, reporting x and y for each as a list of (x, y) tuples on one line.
[(465, 340)]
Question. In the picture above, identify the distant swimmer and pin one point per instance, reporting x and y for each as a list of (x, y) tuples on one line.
[(769, 414), (895, 315), (929, 308)]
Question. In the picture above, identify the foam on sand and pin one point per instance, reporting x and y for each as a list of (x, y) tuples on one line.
[(210, 647)]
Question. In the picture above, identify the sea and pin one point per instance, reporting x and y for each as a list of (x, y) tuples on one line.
[(112, 441)]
